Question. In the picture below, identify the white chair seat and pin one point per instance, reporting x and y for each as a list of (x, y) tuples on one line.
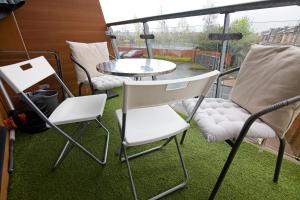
[(221, 119), (145, 125), (77, 109), (107, 82)]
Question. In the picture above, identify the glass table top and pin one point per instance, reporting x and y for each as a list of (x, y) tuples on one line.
[(136, 67)]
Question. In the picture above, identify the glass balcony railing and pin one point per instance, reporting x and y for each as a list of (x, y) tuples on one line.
[(185, 40)]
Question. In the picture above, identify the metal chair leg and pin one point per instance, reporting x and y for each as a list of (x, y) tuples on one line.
[(79, 88), (72, 143), (146, 151), (183, 137), (129, 172), (224, 170), (181, 161), (279, 160), (167, 192), (69, 146), (105, 148)]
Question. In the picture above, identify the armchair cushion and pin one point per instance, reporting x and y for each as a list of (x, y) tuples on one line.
[(269, 74), (221, 119), (107, 82), (88, 55)]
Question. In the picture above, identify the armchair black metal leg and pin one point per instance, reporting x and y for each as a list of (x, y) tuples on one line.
[(111, 94), (79, 88), (182, 137), (224, 170), (119, 152), (242, 135), (279, 159)]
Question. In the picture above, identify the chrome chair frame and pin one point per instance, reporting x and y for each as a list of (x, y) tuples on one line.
[(166, 91), (124, 157), (71, 142)]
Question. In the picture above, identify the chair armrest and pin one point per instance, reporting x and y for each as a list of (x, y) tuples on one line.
[(223, 74), (262, 112), (112, 57), (86, 72), (229, 72)]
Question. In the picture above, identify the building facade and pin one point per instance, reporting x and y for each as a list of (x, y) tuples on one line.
[(283, 36)]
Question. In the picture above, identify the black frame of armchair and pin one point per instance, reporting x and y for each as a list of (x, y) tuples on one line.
[(236, 144), (109, 93)]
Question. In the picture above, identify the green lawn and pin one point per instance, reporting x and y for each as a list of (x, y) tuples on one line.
[(174, 58), (196, 66), (79, 177)]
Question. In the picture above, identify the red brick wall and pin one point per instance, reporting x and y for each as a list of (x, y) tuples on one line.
[(179, 53)]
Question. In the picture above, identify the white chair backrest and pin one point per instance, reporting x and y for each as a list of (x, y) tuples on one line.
[(23, 75), (138, 94)]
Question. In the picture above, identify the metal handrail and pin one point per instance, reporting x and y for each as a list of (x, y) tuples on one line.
[(215, 10)]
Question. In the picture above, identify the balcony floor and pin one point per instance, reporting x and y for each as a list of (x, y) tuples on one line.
[(250, 176)]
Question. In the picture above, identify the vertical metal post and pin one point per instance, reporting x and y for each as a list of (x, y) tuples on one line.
[(147, 41), (113, 42), (296, 34), (6, 96), (223, 53)]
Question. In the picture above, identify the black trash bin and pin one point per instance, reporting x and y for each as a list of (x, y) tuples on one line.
[(46, 101)]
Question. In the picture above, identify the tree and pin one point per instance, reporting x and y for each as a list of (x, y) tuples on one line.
[(210, 26), (209, 20), (162, 24), (239, 48), (183, 25), (138, 30), (182, 34), (162, 36), (242, 46), (210, 45)]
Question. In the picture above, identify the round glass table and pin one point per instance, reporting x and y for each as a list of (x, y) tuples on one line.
[(136, 67)]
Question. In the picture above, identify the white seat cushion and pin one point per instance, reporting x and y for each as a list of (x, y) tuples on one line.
[(77, 109), (145, 125), (107, 82), (221, 119)]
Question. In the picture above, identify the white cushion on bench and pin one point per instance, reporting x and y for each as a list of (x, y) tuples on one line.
[(221, 119)]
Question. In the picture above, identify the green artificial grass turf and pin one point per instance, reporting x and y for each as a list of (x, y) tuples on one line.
[(79, 177)]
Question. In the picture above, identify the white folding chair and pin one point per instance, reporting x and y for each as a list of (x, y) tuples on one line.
[(83, 110), (146, 116)]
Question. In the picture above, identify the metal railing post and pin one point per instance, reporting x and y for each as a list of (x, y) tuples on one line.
[(223, 53), (147, 40), (113, 39)]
